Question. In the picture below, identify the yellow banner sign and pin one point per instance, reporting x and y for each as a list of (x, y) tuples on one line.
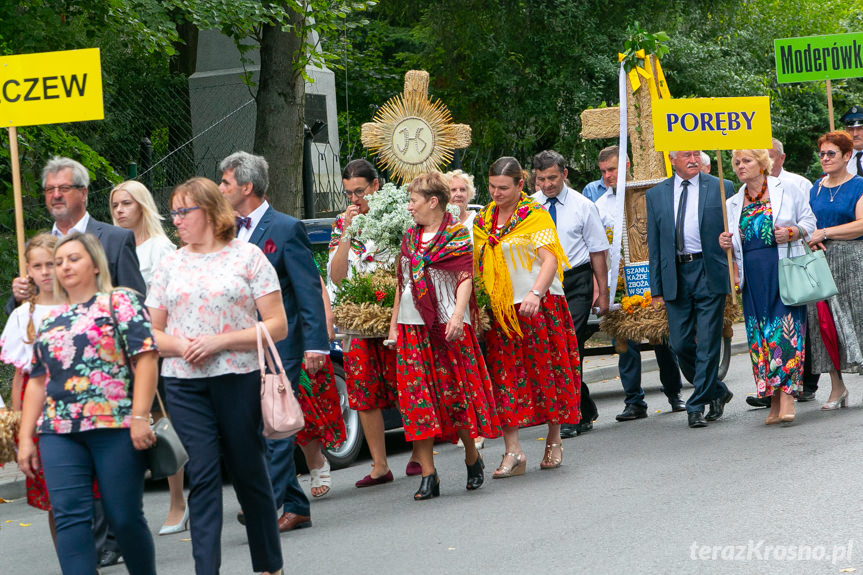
[(50, 88), (712, 124)]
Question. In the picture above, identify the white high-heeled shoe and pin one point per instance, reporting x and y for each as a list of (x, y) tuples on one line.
[(842, 401), (179, 527)]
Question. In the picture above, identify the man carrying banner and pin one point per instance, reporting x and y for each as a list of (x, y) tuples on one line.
[(689, 275), (629, 362)]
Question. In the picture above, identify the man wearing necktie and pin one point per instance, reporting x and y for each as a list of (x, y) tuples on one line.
[(853, 120), (583, 238), (284, 241), (689, 275)]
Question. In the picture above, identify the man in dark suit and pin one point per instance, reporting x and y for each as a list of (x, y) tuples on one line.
[(65, 184), (689, 275), (284, 241)]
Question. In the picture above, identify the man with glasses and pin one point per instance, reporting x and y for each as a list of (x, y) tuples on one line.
[(283, 239), (65, 183), (689, 275)]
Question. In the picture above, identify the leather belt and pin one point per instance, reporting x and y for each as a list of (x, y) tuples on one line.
[(683, 258), (580, 269)]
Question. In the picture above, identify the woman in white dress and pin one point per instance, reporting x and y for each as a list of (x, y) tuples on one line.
[(133, 208), (462, 192)]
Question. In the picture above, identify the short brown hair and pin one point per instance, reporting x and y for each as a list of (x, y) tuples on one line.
[(205, 194), (431, 185), (606, 154), (840, 138)]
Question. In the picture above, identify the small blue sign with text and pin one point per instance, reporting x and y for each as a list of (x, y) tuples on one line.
[(637, 278)]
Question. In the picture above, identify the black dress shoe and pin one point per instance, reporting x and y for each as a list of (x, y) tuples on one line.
[(696, 419), (756, 401), (475, 473), (806, 396), (568, 431), (717, 407), (109, 557), (631, 412), (677, 404), (584, 427)]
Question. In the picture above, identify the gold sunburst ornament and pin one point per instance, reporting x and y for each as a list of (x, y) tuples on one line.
[(411, 134)]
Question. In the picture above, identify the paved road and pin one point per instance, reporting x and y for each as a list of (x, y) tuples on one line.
[(649, 496)]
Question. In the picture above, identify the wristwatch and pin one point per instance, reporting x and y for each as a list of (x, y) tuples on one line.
[(536, 293)]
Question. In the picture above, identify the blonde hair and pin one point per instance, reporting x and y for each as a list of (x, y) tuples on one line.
[(46, 242), (97, 255), (149, 212), (761, 156), (466, 178), (205, 194)]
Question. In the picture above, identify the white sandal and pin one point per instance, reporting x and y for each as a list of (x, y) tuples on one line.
[(321, 478)]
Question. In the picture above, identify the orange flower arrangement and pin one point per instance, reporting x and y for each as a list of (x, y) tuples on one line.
[(630, 303)]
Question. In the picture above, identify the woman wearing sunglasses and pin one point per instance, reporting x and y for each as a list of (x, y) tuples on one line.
[(837, 200)]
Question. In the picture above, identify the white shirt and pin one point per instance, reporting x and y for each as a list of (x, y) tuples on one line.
[(607, 206), (852, 163), (791, 180), (691, 233), (150, 253), (80, 226), (244, 234), (579, 225)]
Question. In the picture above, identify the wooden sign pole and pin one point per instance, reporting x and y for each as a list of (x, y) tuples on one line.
[(19, 204), (830, 104), (725, 218)]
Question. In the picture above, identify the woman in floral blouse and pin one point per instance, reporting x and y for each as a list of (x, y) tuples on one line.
[(444, 388), (205, 299), (92, 422), (370, 368), (532, 348)]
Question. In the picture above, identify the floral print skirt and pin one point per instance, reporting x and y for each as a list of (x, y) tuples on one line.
[(443, 387), (536, 378), (37, 491), (370, 370), (321, 409)]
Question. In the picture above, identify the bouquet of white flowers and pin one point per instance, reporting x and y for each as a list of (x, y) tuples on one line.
[(387, 219)]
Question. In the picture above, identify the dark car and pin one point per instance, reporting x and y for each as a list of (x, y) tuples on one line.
[(319, 231)]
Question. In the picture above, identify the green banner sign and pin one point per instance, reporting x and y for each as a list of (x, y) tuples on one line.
[(819, 57)]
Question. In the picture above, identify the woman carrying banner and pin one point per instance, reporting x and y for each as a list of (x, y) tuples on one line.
[(763, 218), (532, 348), (837, 201)]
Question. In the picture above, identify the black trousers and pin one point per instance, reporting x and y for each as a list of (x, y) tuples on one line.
[(578, 289), (217, 416)]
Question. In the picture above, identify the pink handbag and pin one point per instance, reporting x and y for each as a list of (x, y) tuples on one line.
[(282, 414)]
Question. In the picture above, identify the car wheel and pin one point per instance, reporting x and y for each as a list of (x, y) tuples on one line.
[(348, 451)]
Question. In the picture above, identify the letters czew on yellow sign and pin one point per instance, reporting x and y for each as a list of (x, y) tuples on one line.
[(712, 124), (50, 88)]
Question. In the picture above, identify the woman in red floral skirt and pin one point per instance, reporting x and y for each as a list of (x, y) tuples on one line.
[(532, 349), (444, 388), (369, 366)]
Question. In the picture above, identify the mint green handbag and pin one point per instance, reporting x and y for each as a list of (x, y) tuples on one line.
[(805, 279)]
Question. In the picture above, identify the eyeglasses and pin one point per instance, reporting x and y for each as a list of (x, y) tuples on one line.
[(181, 213), (827, 154), (358, 193), (61, 189)]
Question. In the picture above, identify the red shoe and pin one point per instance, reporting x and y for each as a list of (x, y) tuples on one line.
[(369, 481), (413, 468)]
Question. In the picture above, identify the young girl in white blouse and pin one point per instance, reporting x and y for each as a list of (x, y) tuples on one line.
[(16, 342)]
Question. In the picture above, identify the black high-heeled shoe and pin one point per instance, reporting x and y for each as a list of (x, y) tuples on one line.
[(429, 487), (475, 473)]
